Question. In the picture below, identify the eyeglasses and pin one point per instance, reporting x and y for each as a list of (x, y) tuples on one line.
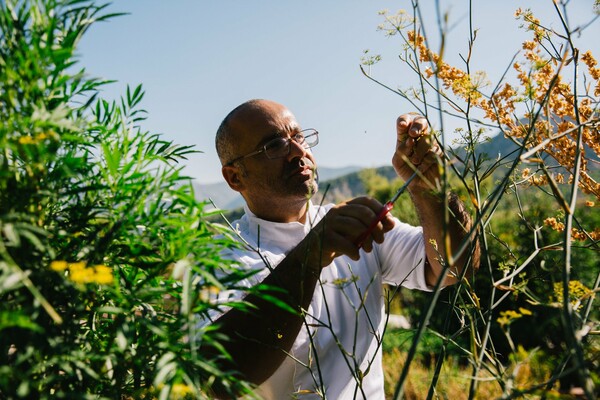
[(280, 147)]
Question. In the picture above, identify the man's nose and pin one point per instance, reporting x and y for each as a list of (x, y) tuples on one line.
[(296, 150)]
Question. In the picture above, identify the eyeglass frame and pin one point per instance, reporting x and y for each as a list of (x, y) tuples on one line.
[(263, 148)]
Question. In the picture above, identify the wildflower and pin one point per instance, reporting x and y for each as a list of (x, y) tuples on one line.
[(525, 311), (508, 316), (58, 266), (78, 272), (589, 60), (576, 234), (343, 282), (103, 275), (529, 45), (210, 293), (577, 293), (368, 60), (27, 140), (433, 243), (554, 224), (590, 203), (180, 391), (539, 180), (40, 137)]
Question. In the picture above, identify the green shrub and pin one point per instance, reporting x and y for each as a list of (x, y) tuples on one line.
[(105, 255)]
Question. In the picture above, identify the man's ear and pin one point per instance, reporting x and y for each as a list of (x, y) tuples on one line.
[(232, 175)]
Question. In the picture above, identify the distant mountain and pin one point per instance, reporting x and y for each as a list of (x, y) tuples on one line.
[(495, 147), (345, 183), (341, 183), (225, 198), (498, 147)]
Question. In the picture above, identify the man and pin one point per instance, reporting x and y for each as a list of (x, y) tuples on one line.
[(330, 345)]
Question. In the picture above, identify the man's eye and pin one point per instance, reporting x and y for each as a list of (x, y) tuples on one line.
[(276, 144)]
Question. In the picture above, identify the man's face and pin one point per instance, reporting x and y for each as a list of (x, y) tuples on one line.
[(289, 178)]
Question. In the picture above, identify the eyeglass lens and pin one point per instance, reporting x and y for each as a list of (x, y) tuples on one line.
[(281, 146)]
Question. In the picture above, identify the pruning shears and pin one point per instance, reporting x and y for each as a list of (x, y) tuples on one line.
[(386, 209)]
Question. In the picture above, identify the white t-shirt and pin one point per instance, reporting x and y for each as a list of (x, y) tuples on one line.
[(344, 324)]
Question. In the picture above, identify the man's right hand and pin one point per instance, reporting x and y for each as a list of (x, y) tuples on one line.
[(337, 233)]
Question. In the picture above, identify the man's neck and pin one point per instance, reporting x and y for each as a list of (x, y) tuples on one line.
[(283, 212)]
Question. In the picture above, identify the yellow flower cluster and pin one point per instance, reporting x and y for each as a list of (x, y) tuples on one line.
[(563, 118), (540, 180), (589, 60), (554, 224), (577, 293), (533, 23), (178, 391), (181, 391), (508, 316), (40, 137), (576, 234), (464, 85), (557, 128), (79, 272), (209, 293), (394, 23)]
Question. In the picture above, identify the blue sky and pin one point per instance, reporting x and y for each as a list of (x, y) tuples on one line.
[(198, 59)]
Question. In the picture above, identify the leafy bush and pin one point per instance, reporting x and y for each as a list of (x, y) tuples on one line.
[(106, 258)]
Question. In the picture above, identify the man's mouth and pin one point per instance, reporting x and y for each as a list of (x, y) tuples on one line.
[(303, 168)]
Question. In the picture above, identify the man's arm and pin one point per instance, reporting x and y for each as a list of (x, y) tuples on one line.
[(259, 339), (417, 150)]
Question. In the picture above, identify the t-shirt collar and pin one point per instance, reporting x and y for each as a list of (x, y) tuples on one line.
[(291, 232)]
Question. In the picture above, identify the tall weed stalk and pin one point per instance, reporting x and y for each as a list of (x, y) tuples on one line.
[(535, 204)]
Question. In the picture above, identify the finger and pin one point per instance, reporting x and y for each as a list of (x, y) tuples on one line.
[(403, 123), (348, 226), (377, 233), (376, 230), (365, 239), (426, 148), (419, 127), (421, 148), (344, 226), (332, 241), (366, 208), (388, 223), (358, 223), (341, 245), (402, 126)]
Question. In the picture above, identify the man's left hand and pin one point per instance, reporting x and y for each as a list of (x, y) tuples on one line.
[(416, 149)]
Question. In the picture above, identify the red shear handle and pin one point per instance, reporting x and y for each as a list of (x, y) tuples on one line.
[(386, 209)]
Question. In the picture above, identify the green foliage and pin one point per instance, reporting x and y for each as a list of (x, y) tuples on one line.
[(430, 345), (534, 207), (107, 259), (105, 255), (382, 188)]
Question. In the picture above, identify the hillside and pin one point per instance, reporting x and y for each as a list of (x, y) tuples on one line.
[(339, 184), (499, 146), (225, 198)]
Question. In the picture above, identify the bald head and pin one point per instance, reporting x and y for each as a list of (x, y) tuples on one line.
[(240, 121)]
